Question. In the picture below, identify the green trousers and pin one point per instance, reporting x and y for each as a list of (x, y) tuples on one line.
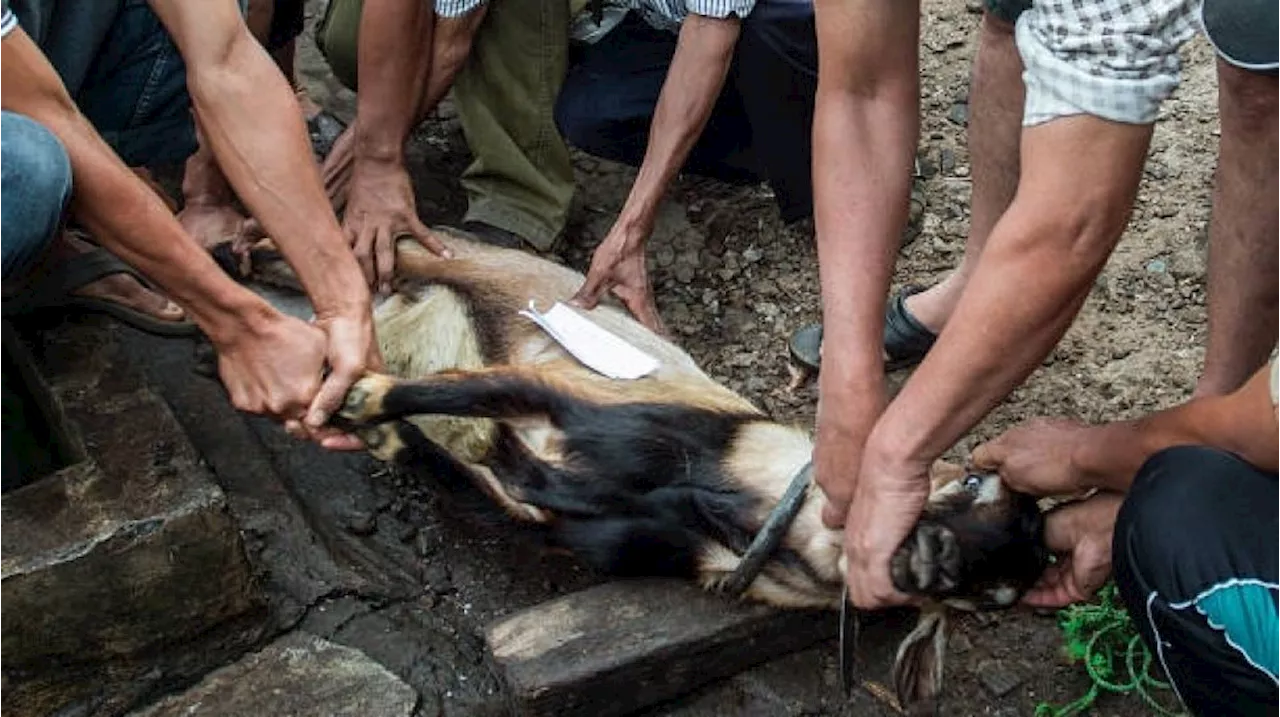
[(521, 179)]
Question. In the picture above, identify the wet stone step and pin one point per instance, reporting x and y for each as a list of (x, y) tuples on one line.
[(299, 675), (617, 648)]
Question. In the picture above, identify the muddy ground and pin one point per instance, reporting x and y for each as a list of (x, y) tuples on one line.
[(732, 282)]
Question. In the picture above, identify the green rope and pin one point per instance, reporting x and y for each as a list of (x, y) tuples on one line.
[(1102, 637)]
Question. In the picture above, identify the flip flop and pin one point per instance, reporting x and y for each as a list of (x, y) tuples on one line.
[(54, 291), (906, 340), (324, 129)]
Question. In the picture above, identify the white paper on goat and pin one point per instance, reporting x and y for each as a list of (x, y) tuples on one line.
[(593, 345)]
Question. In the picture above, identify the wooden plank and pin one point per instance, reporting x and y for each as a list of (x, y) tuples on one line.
[(616, 648)]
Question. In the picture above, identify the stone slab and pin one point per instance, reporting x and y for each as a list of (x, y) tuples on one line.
[(125, 572), (299, 675), (616, 648)]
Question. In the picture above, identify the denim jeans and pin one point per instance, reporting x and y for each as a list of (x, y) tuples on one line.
[(132, 89), (35, 184), (136, 91)]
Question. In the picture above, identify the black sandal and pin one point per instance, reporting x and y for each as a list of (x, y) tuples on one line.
[(906, 340), (54, 292)]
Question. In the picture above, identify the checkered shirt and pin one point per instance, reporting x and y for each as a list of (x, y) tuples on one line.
[(1114, 59), (458, 8)]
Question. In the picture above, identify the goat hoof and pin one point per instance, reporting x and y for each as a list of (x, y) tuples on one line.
[(382, 441), (364, 401)]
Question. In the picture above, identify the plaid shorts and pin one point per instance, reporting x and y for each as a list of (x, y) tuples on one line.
[(1114, 59)]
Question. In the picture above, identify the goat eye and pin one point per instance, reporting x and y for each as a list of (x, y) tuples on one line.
[(972, 483)]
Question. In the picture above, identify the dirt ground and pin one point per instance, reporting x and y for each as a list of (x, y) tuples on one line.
[(733, 282)]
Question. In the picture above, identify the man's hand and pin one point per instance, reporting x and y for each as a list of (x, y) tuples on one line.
[(1080, 535), (380, 209), (618, 265), (350, 350), (1037, 457), (845, 418), (703, 55), (274, 368), (887, 501)]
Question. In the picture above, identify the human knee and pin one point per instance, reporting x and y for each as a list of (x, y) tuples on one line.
[(996, 28), (36, 178), (1249, 96), (577, 121), (1000, 16), (1175, 488)]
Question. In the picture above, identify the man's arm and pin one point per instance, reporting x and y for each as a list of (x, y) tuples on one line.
[(1034, 275), (1079, 177), (250, 118), (1243, 423), (704, 52), (408, 58), (865, 130), (270, 363)]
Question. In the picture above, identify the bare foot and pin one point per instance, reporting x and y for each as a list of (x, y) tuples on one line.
[(121, 289)]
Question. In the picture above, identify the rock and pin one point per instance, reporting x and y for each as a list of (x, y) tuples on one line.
[(360, 522), (438, 577), (426, 544), (664, 256), (1156, 266), (959, 114), (619, 647), (299, 674), (127, 563), (999, 677), (946, 161)]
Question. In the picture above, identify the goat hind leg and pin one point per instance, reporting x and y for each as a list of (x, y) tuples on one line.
[(498, 393)]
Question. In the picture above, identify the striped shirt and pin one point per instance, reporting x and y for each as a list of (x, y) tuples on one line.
[(660, 14), (458, 8), (668, 14), (8, 21)]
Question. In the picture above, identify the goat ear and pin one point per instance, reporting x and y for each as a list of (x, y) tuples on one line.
[(917, 670)]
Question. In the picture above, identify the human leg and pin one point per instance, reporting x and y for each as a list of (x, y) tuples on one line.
[(1195, 560), (611, 93), (521, 178), (776, 74), (994, 133), (36, 179), (914, 318), (37, 185), (1242, 232)]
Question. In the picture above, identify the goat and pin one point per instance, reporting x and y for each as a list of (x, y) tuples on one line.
[(671, 474)]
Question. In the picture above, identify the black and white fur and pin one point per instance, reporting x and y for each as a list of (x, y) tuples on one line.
[(671, 474)]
